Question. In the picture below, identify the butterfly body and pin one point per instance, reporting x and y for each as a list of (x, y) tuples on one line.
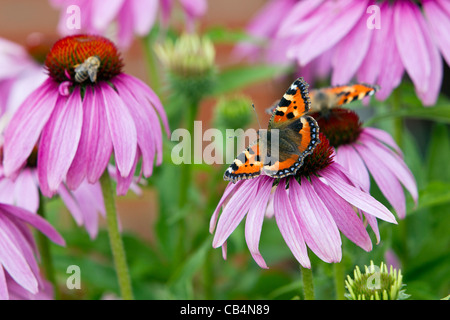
[(291, 136)]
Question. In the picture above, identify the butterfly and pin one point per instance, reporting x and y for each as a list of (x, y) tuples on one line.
[(324, 99), (296, 136)]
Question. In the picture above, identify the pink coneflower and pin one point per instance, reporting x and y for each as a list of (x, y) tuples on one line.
[(19, 271), (133, 17), (78, 124), (20, 74), (338, 32), (310, 209), (364, 151)]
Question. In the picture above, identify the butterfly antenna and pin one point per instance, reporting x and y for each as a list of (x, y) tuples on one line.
[(256, 115)]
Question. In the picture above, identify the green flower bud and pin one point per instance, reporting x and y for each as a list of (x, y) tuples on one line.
[(233, 113), (375, 284), (190, 65)]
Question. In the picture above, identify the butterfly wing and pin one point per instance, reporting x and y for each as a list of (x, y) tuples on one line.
[(298, 133), (247, 165), (332, 97)]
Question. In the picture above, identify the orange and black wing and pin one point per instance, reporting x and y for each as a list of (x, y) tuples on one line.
[(332, 97), (294, 104), (247, 164)]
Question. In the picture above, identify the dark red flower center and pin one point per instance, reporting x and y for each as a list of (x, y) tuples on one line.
[(83, 58), (340, 126), (321, 158)]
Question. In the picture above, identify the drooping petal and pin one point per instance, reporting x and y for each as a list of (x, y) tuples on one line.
[(151, 96), (346, 62), (439, 21), (354, 196), (289, 227), (235, 211), (26, 125), (122, 130), (34, 220), (59, 141), (144, 14), (319, 229), (12, 260), (149, 135), (343, 17), (347, 157), (4, 295), (383, 136), (228, 193), (386, 181), (394, 163), (26, 191), (255, 218), (343, 214), (412, 44), (103, 15)]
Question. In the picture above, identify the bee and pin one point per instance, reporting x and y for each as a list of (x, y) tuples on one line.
[(88, 69)]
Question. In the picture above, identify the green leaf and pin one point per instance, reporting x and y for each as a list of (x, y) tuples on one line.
[(240, 77), (438, 113), (221, 34)]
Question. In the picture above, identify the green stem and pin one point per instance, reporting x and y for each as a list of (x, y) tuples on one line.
[(115, 238), (398, 121), (339, 281), (308, 285), (152, 66), (44, 249)]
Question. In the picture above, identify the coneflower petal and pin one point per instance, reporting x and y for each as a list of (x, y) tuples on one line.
[(343, 214), (289, 227), (59, 141), (25, 127), (319, 229), (121, 128), (255, 218), (355, 196)]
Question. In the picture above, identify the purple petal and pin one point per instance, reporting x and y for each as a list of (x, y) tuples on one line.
[(347, 157), (103, 15), (235, 211), (289, 227), (389, 77), (228, 193), (346, 62), (343, 214), (354, 196), (394, 163), (429, 96), (413, 46), (122, 130), (439, 21), (34, 220), (386, 181), (4, 294), (255, 218), (150, 95), (123, 183), (26, 190), (149, 135), (338, 22), (25, 127), (382, 136), (144, 15), (59, 141), (13, 261), (319, 229)]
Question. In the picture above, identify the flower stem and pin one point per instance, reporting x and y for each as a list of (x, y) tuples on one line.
[(308, 285), (339, 281), (115, 238), (152, 66), (45, 252), (398, 122)]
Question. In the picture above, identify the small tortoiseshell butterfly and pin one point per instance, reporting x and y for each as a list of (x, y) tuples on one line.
[(297, 136), (324, 99)]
